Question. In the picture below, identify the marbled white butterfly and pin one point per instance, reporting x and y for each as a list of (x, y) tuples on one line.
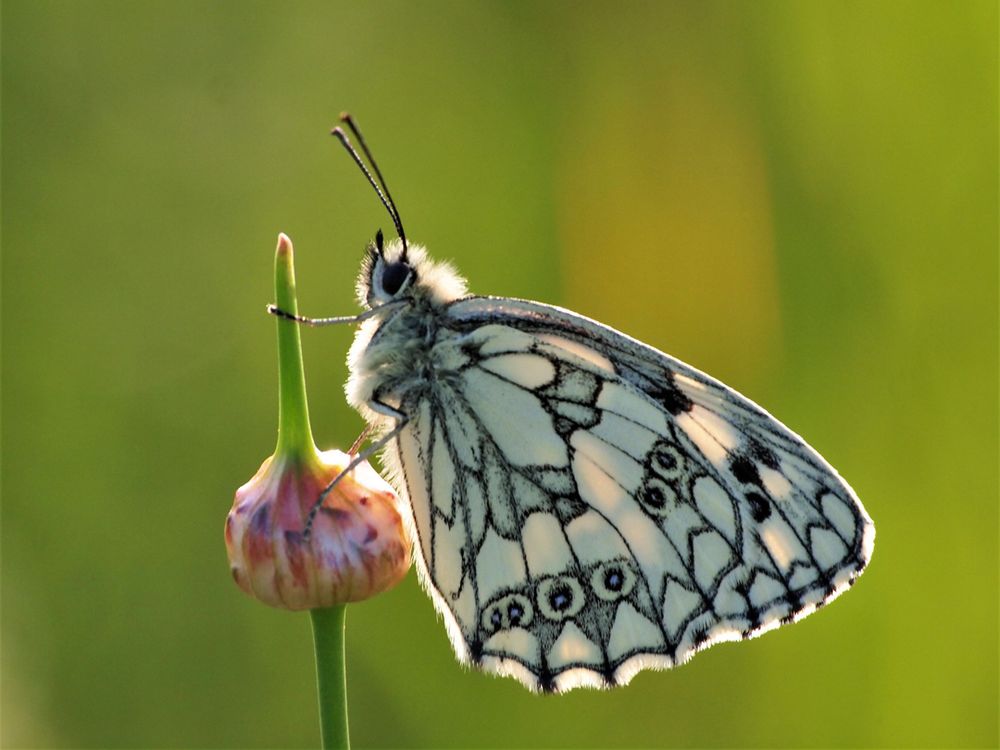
[(584, 506)]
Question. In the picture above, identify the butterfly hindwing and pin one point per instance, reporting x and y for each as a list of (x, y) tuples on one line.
[(586, 506)]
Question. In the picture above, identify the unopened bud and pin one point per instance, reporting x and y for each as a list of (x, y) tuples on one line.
[(283, 548), (355, 548)]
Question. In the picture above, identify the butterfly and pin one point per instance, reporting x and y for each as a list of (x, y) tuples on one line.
[(584, 506)]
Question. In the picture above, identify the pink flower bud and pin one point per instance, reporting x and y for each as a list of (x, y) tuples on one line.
[(357, 545)]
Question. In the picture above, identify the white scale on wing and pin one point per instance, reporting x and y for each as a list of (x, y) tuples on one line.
[(560, 346), (632, 632), (619, 399), (517, 642), (644, 538), (508, 414), (781, 541), (713, 438), (716, 506), (679, 602), (612, 461), (545, 546), (529, 371), (412, 457), (499, 565), (594, 539), (624, 435), (573, 647), (443, 473)]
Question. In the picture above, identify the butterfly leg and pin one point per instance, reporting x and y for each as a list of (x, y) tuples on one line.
[(316, 322), (401, 421), (361, 438)]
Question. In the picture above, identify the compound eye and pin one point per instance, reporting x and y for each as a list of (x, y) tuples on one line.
[(393, 277)]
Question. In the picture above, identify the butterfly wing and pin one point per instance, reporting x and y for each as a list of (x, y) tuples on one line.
[(587, 506)]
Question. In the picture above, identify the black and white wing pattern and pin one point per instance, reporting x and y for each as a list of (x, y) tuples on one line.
[(587, 506)]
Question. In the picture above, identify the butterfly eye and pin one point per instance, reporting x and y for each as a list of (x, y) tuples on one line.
[(393, 277)]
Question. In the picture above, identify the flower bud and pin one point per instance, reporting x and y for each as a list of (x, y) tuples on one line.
[(284, 550), (356, 546)]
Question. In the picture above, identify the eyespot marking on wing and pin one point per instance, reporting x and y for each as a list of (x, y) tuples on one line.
[(613, 580), (657, 498), (560, 597), (508, 611)]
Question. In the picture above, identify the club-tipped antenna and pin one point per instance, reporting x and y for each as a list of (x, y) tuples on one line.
[(346, 117), (383, 191)]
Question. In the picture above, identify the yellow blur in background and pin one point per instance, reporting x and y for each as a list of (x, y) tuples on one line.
[(798, 197)]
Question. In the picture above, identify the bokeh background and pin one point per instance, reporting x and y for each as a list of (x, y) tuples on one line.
[(798, 197)]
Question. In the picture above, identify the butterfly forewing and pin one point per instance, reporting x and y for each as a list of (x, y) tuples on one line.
[(587, 506)]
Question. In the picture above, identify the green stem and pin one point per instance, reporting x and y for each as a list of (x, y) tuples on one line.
[(294, 432), (295, 440), (331, 677)]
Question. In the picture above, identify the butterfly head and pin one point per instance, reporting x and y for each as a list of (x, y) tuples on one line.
[(393, 272)]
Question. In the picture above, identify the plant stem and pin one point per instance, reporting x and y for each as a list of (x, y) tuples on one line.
[(295, 440), (331, 677), (294, 431)]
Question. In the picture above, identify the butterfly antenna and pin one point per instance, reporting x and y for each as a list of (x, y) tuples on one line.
[(385, 196)]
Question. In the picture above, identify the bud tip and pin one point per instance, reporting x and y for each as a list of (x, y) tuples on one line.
[(284, 244)]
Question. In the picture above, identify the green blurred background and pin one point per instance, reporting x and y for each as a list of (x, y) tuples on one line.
[(798, 197)]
